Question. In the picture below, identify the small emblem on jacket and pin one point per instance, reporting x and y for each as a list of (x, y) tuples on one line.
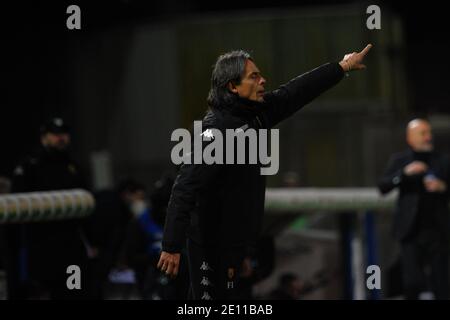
[(208, 134), (205, 282), (206, 296), (205, 266)]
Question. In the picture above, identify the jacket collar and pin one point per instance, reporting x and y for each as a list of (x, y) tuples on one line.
[(246, 108)]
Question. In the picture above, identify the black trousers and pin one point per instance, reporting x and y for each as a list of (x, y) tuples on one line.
[(425, 264), (214, 272)]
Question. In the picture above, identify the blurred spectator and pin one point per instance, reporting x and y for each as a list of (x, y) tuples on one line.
[(421, 221), (108, 225), (142, 240), (39, 253), (257, 267), (142, 245)]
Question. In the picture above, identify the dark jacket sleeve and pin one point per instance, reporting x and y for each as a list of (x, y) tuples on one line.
[(298, 92), (394, 177), (190, 180)]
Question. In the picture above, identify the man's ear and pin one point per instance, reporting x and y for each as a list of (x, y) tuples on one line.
[(232, 87)]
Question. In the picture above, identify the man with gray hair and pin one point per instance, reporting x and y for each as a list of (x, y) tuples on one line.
[(219, 207), (421, 220)]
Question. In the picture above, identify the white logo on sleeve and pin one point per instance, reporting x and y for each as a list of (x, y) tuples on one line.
[(205, 267), (205, 282), (206, 296)]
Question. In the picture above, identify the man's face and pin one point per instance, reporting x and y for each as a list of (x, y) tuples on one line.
[(135, 200), (419, 136), (252, 83), (133, 196), (59, 141)]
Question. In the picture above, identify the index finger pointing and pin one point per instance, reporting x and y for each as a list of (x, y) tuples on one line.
[(366, 49)]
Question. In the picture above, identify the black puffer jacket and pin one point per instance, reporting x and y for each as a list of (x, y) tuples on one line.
[(221, 205)]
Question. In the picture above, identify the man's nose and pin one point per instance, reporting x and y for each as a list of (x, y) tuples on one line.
[(262, 81)]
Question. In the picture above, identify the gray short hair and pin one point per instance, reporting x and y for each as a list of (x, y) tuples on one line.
[(229, 67)]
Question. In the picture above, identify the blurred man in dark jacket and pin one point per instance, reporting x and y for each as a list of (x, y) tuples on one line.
[(421, 220), (221, 206), (42, 251)]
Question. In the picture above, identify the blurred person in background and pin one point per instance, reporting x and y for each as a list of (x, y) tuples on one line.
[(142, 245), (257, 267), (108, 225), (421, 220), (219, 208), (40, 252)]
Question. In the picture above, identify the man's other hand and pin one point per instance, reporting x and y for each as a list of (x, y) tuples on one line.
[(169, 263), (434, 185), (415, 167)]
